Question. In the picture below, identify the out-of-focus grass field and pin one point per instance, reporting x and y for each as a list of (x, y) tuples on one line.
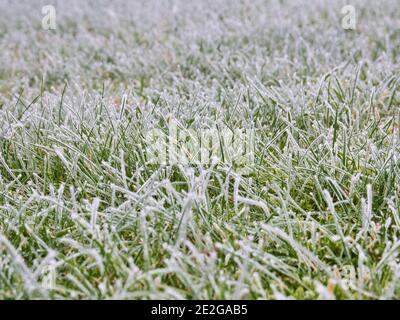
[(85, 214)]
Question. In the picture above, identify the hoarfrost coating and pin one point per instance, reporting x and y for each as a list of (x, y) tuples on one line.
[(282, 180)]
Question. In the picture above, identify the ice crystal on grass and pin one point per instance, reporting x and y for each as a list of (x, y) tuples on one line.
[(305, 207)]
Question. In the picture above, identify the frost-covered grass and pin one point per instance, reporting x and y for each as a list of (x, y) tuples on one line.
[(84, 214)]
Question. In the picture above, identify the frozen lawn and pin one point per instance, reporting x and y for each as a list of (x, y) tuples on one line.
[(86, 214)]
